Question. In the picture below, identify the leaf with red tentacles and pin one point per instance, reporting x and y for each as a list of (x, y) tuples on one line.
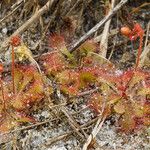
[(82, 52), (133, 34), (15, 41), (29, 86), (57, 43), (88, 46), (99, 104), (29, 90), (12, 119), (69, 82), (96, 102), (53, 63), (126, 93)]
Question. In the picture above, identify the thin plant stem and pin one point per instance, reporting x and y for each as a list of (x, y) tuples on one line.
[(13, 70), (139, 52), (2, 88)]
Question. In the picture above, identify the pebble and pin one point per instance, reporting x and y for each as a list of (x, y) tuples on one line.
[(4, 30)]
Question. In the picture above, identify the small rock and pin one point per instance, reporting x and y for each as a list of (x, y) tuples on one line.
[(4, 30)]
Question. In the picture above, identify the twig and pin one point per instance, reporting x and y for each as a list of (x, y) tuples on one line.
[(72, 8), (105, 34), (146, 48), (96, 129), (29, 127), (18, 2), (60, 137), (27, 24), (111, 34), (135, 10), (114, 41), (87, 92), (73, 123), (52, 18), (57, 138), (97, 26), (11, 13)]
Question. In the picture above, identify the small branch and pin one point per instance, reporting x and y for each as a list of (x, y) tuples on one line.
[(26, 24), (105, 34), (74, 6), (110, 34), (96, 129), (29, 126), (87, 92), (62, 136), (146, 50), (73, 123), (3, 96), (57, 138), (13, 11), (97, 26)]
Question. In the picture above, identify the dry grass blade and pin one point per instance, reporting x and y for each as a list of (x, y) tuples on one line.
[(62, 136), (13, 11), (73, 123), (97, 26), (146, 51), (110, 34), (57, 138), (76, 3), (135, 10), (29, 127), (95, 131), (105, 34), (26, 25)]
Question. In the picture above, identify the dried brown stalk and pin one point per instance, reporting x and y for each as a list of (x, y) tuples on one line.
[(97, 26), (26, 25)]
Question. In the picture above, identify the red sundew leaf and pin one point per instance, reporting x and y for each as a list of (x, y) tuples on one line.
[(23, 118), (139, 121), (29, 85), (88, 46), (96, 103), (29, 90), (146, 118), (134, 117), (57, 42), (7, 124), (113, 98), (15, 41), (137, 31), (13, 119), (127, 75), (127, 123), (69, 82), (86, 78), (53, 63), (87, 61), (119, 108), (1, 68)]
